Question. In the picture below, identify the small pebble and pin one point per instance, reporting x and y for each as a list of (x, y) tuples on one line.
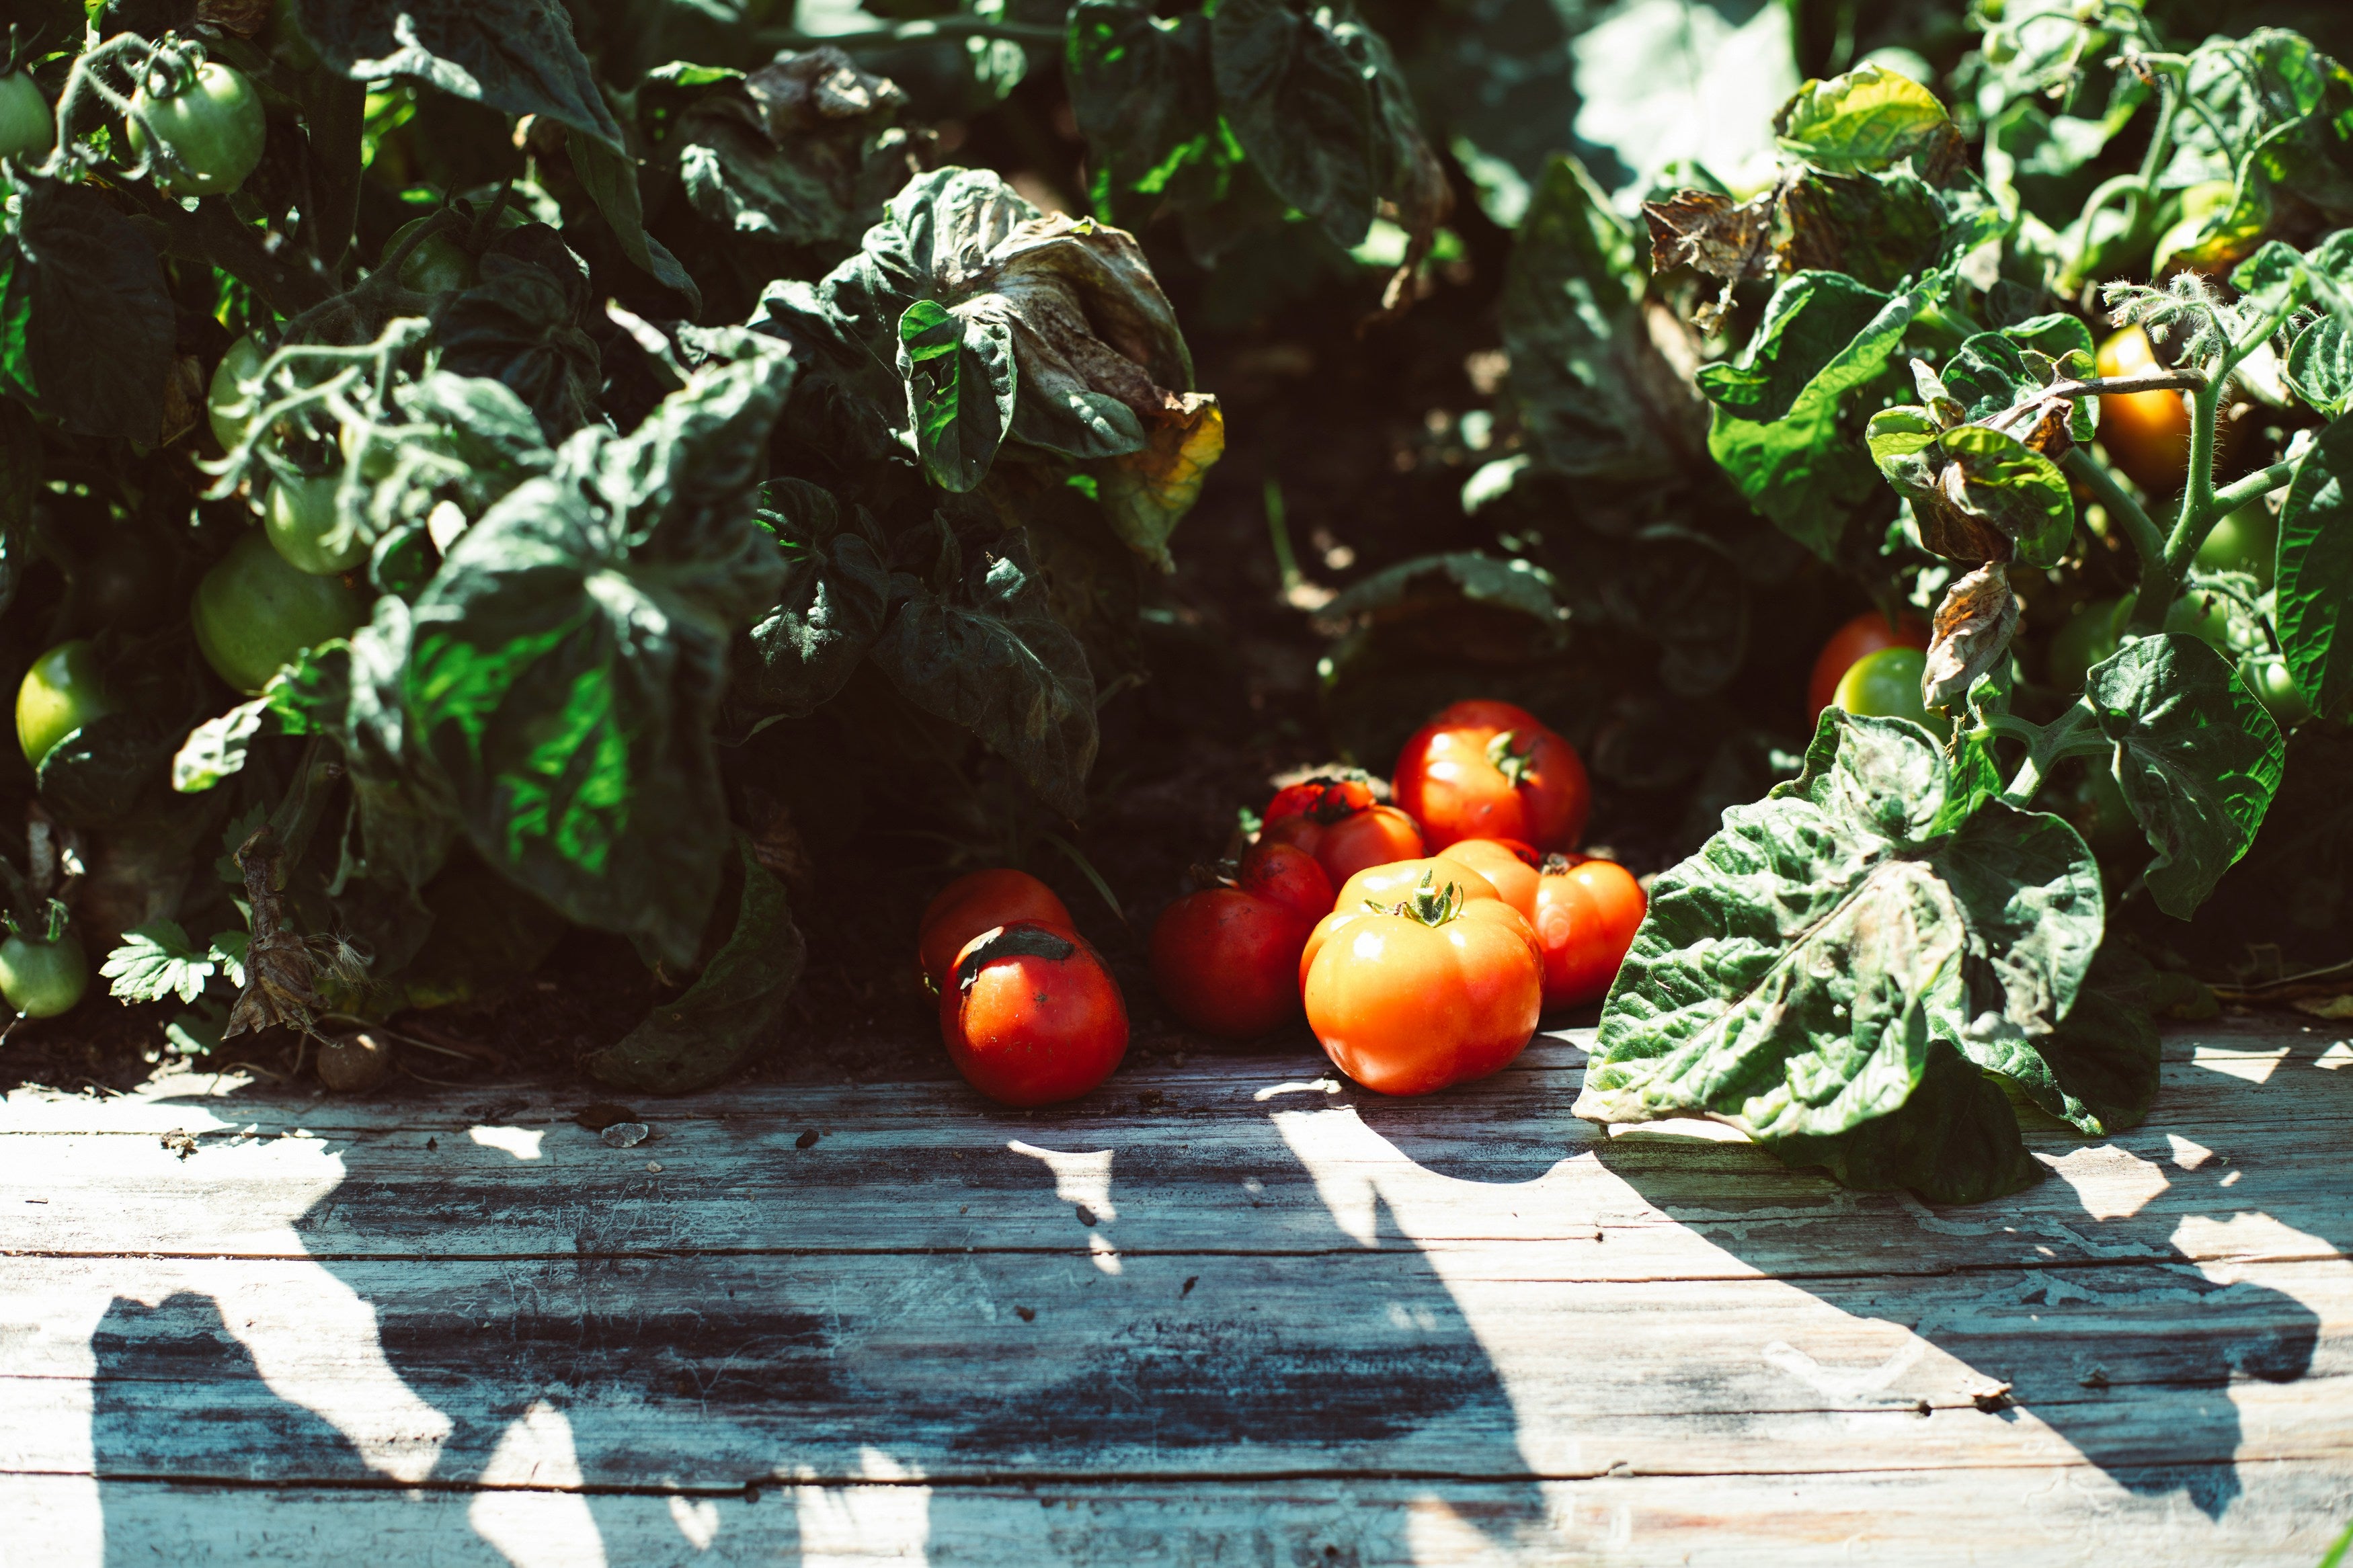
[(654, 1166), (626, 1134)]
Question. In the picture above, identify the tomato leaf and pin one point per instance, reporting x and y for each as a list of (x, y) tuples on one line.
[(566, 664), (2195, 754), (1145, 99), (836, 590), (1868, 121), (524, 326), (961, 386), (1818, 963), (516, 56), (100, 333), (2313, 598), (1515, 585), (987, 654), (730, 1011), (1775, 429), (1597, 397), (1301, 108), (2100, 1067)]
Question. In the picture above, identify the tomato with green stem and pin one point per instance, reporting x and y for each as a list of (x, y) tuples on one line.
[(1422, 977), (210, 128), (1492, 770), (1887, 684), (41, 979), (976, 903), (1339, 823), (1226, 959), (233, 400), (28, 128), (63, 690), (1859, 638), (2146, 434), (1587, 911), (253, 613), (305, 526), (1030, 1016)]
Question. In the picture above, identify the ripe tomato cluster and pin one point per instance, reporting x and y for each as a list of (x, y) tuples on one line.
[(1462, 913)]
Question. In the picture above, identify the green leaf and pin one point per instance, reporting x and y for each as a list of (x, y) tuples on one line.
[(1146, 100), (731, 1010), (565, 666), (1302, 109), (961, 386), (2320, 366), (516, 56), (1666, 82), (524, 326), (100, 772), (2313, 597), (987, 654), (1956, 1141), (836, 591), (1775, 429), (1810, 970), (2195, 754), (1515, 585), (156, 960), (99, 335), (609, 175), (217, 748), (2101, 1065), (1598, 398), (1869, 120), (228, 950), (1988, 480), (1879, 229)]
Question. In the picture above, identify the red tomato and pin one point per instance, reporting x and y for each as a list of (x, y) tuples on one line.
[(1510, 865), (1421, 977), (1489, 770), (1030, 1015), (1586, 913), (1859, 638), (979, 902), (1336, 821), (1226, 959)]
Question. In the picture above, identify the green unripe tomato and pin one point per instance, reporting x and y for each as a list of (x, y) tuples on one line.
[(2276, 689), (1887, 684), (213, 129), (380, 460), (2246, 540), (300, 520), (27, 127), (2205, 617), (253, 613), (43, 979), (438, 266), (228, 405), (2088, 638), (62, 691)]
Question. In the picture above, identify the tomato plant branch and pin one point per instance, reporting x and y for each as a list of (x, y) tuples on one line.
[(2138, 525), (2147, 381), (2074, 733), (2255, 485)]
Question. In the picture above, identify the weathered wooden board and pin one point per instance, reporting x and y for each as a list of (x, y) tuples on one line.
[(1223, 1311)]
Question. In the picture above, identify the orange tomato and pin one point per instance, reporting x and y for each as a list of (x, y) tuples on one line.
[(1586, 913), (1858, 639), (1226, 959), (1510, 865), (979, 902), (1436, 982), (1489, 770), (1030, 1015), (1336, 821), (2146, 434)]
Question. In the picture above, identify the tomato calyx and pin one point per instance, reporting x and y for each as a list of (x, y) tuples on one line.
[(1429, 903), (1022, 940), (1511, 756), (1559, 865), (1328, 798)]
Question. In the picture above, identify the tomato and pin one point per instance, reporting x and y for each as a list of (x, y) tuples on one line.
[(1226, 959), (43, 979), (1489, 770), (1887, 683), (234, 401), (1866, 634), (64, 690), (1509, 866), (1586, 913), (2089, 637), (2146, 434), (976, 903), (2276, 689), (211, 130), (26, 128), (1439, 981), (2246, 540), (1336, 821), (439, 265), (1030, 1015), (2206, 616), (253, 613), (302, 523)]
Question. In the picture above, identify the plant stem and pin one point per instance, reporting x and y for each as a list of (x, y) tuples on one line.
[(2147, 381), (2073, 735), (2121, 506), (2230, 497)]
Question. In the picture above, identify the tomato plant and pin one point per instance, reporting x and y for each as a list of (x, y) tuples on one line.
[(1859, 638), (254, 612), (1586, 912), (1226, 959), (1030, 1016), (976, 903), (1490, 770), (1421, 977), (64, 689), (204, 132)]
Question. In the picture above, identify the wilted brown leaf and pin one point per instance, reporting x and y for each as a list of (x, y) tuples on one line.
[(184, 397), (278, 972), (802, 91), (1711, 233), (1973, 629)]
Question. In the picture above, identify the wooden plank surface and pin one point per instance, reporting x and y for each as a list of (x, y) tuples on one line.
[(1229, 1310)]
